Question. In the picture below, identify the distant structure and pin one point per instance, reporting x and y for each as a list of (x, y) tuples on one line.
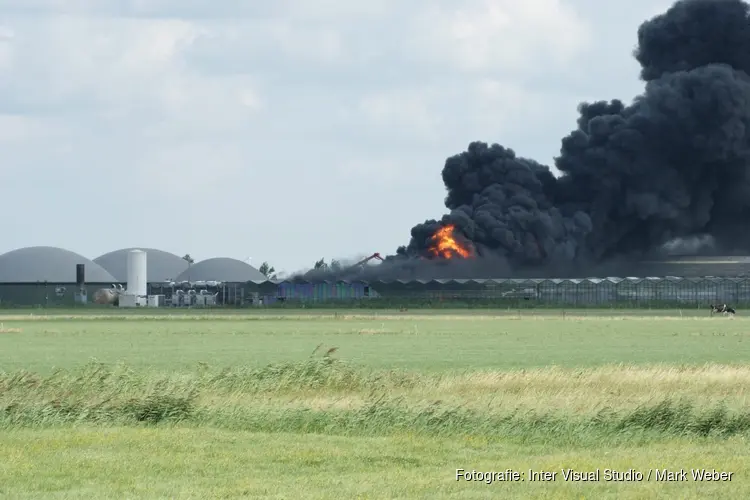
[(161, 265), (221, 269), (697, 267), (131, 277), (48, 264), (136, 292), (57, 265)]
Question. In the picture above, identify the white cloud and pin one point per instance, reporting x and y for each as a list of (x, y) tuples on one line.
[(126, 78), (499, 100), (249, 107), (104, 62), (382, 171), (481, 55), (18, 128), (410, 112), (319, 45), (501, 35), (6, 53)]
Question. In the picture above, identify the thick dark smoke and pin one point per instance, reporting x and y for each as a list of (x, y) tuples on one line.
[(672, 165)]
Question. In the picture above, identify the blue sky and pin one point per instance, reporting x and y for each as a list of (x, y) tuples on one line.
[(284, 131)]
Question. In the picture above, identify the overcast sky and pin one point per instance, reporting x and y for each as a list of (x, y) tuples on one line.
[(284, 131)]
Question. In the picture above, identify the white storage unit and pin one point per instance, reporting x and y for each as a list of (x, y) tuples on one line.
[(156, 301), (137, 267)]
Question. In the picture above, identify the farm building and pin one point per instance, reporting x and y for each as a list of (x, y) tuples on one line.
[(55, 265), (698, 267), (47, 276), (549, 292), (552, 292), (284, 291)]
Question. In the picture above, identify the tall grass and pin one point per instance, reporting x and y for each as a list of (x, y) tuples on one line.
[(326, 395)]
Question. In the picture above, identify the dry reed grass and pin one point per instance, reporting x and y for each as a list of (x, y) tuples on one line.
[(581, 392), (330, 396), (590, 390), (4, 329)]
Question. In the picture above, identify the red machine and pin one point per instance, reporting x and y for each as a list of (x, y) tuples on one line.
[(366, 260)]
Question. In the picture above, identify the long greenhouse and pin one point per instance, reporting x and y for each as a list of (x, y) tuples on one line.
[(543, 292)]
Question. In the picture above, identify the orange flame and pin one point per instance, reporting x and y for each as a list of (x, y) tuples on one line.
[(446, 246)]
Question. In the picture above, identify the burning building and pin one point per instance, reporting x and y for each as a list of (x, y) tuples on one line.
[(445, 245), (674, 163)]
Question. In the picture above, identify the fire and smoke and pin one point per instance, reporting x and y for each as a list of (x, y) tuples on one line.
[(673, 164), (444, 244)]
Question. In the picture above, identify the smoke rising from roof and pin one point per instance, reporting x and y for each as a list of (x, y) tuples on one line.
[(671, 168)]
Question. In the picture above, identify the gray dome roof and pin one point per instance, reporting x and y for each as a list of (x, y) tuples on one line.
[(221, 269), (55, 265), (160, 265)]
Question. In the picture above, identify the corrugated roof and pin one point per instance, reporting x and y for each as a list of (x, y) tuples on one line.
[(539, 281)]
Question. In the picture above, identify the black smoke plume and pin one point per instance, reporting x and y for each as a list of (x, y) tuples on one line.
[(674, 164)]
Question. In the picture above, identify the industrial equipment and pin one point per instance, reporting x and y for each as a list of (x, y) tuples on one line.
[(364, 261), (135, 294), (194, 298), (156, 301), (204, 298), (81, 294), (109, 296)]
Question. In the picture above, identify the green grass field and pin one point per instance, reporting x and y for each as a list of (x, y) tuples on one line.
[(294, 404)]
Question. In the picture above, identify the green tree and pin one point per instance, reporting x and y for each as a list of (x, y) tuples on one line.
[(268, 270), (334, 265), (187, 258)]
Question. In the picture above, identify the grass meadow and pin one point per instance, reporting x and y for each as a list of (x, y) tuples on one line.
[(294, 404)]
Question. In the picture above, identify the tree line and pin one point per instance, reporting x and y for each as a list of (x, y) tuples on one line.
[(270, 272)]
